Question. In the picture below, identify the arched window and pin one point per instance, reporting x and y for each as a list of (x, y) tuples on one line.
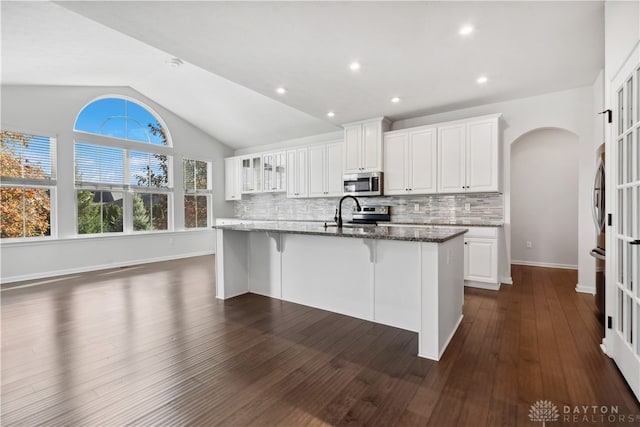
[(123, 163)]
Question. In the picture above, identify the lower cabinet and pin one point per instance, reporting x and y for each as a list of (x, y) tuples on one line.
[(481, 258)]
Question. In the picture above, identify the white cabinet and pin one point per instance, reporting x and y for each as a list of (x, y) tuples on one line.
[(451, 158), (251, 173), (483, 155), (232, 184), (363, 145), (297, 173), (481, 258), (274, 171), (468, 156), (325, 170), (410, 161)]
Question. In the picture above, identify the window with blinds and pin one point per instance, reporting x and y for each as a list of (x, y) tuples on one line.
[(28, 180), (197, 189), (122, 168)]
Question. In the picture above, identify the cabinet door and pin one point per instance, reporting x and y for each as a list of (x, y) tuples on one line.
[(292, 175), (352, 148), (334, 169), (371, 147), (395, 163), (451, 159), (302, 189), (481, 260), (268, 166), (317, 168), (280, 171), (232, 179), (482, 155), (246, 175), (422, 161)]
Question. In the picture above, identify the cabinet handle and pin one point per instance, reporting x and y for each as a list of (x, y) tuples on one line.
[(466, 243), (635, 242)]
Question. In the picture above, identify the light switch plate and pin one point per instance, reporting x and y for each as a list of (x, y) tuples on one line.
[(416, 207)]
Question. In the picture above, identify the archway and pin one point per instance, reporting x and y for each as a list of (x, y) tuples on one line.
[(544, 198)]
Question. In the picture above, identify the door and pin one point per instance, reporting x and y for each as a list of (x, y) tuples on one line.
[(451, 159), (334, 169), (395, 164), (422, 162), (625, 233), (317, 169), (482, 155)]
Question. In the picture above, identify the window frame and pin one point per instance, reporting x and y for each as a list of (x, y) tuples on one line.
[(50, 184), (127, 188), (195, 192)]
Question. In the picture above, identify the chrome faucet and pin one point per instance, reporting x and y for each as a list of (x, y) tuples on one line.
[(338, 216)]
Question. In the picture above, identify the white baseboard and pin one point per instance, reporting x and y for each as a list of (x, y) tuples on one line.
[(84, 269), (507, 280), (585, 289), (545, 264), (482, 285)]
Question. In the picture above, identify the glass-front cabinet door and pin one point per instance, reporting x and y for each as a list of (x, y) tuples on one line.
[(274, 176), (251, 174)]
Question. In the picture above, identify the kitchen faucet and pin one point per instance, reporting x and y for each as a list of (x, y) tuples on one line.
[(338, 217)]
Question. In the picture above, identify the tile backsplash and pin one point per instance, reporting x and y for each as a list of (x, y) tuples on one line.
[(436, 207)]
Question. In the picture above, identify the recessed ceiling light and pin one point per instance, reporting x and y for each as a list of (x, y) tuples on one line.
[(482, 79), (331, 114), (354, 66), (395, 99), (281, 91), (466, 30), (174, 62)]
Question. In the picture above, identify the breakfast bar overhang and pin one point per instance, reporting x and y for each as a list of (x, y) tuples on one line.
[(403, 277)]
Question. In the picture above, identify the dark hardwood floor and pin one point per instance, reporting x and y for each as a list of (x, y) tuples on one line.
[(151, 345)]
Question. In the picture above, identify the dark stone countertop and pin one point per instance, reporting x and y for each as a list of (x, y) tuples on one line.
[(410, 234)]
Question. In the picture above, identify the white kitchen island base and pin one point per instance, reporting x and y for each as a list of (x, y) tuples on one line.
[(413, 285)]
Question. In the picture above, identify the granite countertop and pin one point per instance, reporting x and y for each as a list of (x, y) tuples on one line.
[(453, 223), (411, 234), (462, 222)]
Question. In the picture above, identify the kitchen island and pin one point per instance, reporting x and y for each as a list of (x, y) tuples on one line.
[(404, 277)]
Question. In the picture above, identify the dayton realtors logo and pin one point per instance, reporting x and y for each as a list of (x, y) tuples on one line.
[(543, 411), (546, 411)]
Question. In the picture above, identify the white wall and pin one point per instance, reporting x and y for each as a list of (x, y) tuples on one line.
[(571, 110), (622, 31), (52, 110), (544, 199)]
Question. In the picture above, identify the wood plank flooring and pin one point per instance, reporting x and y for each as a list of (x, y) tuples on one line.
[(151, 345)]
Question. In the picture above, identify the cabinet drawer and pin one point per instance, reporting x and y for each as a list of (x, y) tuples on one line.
[(488, 232)]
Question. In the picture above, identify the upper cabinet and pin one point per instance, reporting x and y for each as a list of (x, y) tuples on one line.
[(363, 145), (410, 161), (297, 176), (251, 173), (232, 184), (274, 171), (325, 170), (468, 156)]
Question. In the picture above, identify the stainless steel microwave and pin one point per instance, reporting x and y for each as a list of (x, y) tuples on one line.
[(362, 184)]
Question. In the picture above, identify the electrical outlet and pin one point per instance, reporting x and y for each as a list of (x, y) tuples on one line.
[(528, 244), (246, 208), (416, 207), (467, 207)]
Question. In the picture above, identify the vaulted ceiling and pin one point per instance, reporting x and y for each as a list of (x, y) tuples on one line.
[(236, 54)]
